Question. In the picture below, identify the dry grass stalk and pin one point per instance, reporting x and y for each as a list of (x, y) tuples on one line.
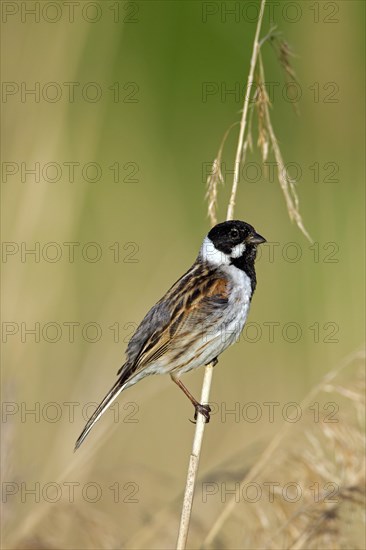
[(214, 178), (266, 134), (284, 54), (200, 426), (193, 463), (261, 102), (266, 137), (286, 183), (243, 122)]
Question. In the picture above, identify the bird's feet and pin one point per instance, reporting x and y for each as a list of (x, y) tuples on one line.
[(204, 410)]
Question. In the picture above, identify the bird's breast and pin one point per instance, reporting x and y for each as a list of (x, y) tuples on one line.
[(241, 286)]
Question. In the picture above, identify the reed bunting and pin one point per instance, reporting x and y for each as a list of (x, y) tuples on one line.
[(201, 315)]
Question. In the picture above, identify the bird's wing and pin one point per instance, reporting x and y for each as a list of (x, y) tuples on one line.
[(188, 305), (186, 308)]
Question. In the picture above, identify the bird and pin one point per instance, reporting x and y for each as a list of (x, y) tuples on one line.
[(201, 315)]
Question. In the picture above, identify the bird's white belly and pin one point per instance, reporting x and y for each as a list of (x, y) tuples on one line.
[(228, 327), (214, 338)]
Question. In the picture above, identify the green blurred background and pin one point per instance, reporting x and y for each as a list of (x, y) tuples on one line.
[(163, 131)]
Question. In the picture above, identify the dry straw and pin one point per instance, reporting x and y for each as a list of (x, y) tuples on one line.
[(326, 457)]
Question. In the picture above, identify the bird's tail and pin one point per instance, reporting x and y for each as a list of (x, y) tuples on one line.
[(107, 401)]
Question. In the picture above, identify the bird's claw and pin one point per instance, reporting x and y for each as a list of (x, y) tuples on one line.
[(204, 410)]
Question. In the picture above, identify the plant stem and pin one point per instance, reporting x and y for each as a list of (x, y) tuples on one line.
[(193, 463), (243, 122), (206, 386)]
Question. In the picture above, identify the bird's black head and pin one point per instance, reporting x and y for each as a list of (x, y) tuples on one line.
[(234, 238), (232, 243)]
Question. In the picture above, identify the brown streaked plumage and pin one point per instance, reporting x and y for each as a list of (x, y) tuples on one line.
[(197, 319)]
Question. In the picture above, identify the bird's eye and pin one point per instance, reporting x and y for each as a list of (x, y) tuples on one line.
[(234, 233)]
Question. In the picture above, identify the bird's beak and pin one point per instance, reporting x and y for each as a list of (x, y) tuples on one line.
[(255, 238)]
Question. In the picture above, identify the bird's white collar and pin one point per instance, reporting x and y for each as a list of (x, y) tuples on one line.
[(210, 254)]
